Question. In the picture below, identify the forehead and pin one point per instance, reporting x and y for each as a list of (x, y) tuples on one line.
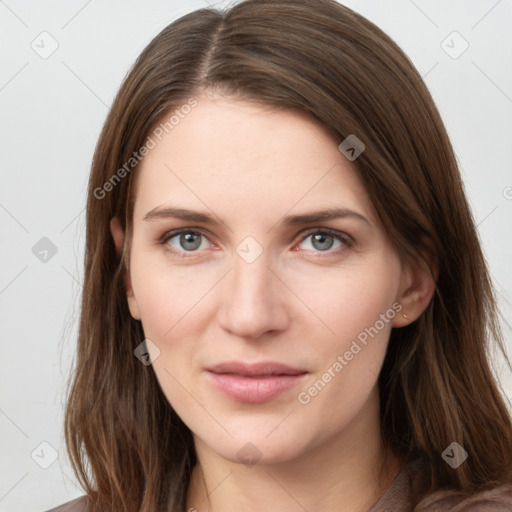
[(239, 158)]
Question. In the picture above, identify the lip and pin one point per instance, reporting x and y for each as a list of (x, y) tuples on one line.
[(256, 382)]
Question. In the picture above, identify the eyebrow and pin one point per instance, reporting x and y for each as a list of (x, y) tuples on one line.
[(290, 220)]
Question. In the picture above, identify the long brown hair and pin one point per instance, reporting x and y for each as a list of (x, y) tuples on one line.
[(128, 447)]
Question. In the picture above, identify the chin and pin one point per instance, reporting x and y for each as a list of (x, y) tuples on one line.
[(253, 445), (249, 453)]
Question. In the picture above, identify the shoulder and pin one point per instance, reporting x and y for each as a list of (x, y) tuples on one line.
[(76, 505), (408, 492), (498, 499)]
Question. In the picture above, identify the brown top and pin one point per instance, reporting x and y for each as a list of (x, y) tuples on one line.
[(399, 497)]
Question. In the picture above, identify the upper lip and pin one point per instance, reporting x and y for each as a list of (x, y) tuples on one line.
[(265, 368)]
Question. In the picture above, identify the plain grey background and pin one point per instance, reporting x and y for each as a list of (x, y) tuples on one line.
[(54, 100)]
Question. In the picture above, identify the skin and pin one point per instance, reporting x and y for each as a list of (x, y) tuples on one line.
[(300, 303)]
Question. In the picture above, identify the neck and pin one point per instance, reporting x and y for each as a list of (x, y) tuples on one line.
[(349, 472)]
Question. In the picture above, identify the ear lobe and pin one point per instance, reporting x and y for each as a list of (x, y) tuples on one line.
[(118, 236), (419, 284)]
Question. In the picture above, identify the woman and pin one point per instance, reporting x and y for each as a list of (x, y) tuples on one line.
[(285, 304)]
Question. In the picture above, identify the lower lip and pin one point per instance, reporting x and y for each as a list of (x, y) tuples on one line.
[(253, 390)]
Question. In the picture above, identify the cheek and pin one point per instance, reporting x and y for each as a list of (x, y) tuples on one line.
[(349, 301), (172, 303), (167, 296), (357, 311)]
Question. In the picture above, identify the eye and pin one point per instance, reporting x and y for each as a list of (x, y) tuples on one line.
[(326, 240), (185, 240)]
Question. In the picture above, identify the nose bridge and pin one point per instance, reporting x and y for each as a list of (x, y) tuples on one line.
[(250, 304), (251, 279)]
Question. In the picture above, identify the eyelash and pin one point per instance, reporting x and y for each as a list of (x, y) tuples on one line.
[(345, 239)]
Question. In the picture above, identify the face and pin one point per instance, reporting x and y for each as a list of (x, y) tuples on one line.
[(271, 324)]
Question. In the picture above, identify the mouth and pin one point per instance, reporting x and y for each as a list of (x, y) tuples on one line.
[(254, 383)]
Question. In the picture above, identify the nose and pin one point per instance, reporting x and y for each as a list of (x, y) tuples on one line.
[(253, 299)]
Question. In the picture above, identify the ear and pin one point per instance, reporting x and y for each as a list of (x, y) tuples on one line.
[(118, 236), (417, 286)]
